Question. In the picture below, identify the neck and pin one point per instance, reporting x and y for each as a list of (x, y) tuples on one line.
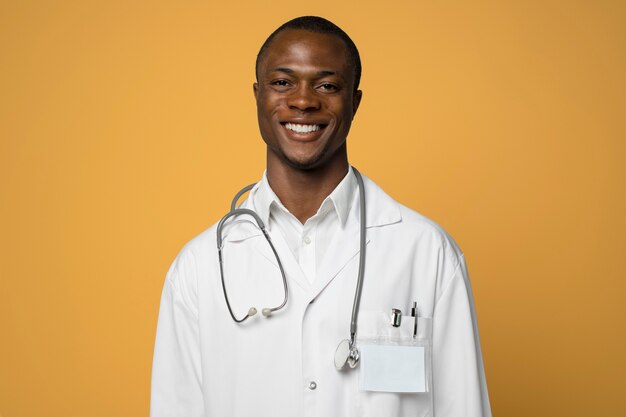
[(303, 191)]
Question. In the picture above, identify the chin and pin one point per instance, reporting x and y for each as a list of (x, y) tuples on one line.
[(303, 162)]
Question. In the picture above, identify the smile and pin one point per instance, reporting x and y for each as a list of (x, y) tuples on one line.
[(303, 128)]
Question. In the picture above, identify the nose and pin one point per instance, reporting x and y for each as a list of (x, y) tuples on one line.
[(304, 98)]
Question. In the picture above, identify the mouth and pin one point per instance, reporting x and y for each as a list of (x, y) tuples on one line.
[(304, 129)]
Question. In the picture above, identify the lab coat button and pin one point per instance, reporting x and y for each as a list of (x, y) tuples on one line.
[(307, 240), (312, 385)]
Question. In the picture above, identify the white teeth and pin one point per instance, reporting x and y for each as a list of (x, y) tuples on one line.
[(302, 128)]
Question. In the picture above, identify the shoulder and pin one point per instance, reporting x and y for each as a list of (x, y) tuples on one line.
[(202, 242), (418, 223), (402, 221), (201, 250), (184, 270)]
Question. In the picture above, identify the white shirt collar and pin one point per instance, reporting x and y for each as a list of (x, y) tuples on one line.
[(340, 198)]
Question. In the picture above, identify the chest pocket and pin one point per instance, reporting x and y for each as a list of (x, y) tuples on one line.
[(374, 328)]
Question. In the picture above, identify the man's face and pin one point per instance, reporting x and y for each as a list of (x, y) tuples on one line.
[(305, 97)]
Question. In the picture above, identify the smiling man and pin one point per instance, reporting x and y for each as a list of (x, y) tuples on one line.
[(367, 305), (307, 95)]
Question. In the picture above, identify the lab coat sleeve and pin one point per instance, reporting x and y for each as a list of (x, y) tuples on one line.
[(176, 377), (459, 386)]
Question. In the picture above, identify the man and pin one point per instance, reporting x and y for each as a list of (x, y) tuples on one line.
[(207, 364)]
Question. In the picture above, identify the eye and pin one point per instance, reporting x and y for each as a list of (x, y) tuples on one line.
[(280, 83), (328, 87)]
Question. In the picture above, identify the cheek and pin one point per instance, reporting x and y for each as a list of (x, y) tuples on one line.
[(268, 109), (343, 107)]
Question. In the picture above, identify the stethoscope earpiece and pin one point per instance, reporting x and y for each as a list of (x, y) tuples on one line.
[(266, 312)]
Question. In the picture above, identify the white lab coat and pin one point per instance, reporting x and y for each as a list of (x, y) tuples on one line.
[(207, 365)]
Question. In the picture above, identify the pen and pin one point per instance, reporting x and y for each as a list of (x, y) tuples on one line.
[(414, 315)]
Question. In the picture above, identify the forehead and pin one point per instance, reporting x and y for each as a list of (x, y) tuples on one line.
[(303, 48)]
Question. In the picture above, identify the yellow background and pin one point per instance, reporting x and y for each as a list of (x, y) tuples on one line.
[(126, 127)]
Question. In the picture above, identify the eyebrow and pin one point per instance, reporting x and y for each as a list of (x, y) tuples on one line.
[(323, 73)]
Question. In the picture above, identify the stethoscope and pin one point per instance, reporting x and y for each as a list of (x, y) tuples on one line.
[(346, 352)]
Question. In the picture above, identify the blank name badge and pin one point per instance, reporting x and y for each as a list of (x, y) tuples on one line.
[(390, 368)]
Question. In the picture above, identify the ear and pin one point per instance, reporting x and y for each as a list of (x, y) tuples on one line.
[(356, 101), (255, 89)]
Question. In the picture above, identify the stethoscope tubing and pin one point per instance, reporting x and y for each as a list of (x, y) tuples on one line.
[(238, 212), (362, 243)]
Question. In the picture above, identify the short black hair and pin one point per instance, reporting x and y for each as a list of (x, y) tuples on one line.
[(318, 25)]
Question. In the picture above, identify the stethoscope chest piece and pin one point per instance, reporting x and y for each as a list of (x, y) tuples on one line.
[(346, 355)]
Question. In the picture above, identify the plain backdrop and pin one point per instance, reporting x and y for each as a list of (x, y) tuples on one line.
[(127, 126)]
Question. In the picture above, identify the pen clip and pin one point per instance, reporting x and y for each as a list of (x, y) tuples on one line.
[(396, 317)]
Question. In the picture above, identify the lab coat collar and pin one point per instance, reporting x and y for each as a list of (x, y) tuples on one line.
[(381, 209)]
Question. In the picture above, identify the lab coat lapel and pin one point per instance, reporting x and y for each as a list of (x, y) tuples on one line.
[(343, 249), (292, 268)]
